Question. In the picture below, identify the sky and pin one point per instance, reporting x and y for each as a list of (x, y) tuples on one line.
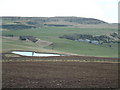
[(106, 10)]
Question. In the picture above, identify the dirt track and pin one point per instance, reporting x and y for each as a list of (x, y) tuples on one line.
[(60, 75)]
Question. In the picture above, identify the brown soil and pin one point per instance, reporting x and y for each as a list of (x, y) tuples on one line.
[(59, 75)]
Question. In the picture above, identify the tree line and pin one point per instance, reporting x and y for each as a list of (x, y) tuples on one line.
[(99, 38)]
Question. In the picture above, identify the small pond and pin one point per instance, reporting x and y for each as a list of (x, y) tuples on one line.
[(23, 53)]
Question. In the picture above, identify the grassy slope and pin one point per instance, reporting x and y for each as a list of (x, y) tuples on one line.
[(64, 45), (8, 45)]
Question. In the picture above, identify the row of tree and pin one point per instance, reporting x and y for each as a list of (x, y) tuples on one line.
[(100, 38)]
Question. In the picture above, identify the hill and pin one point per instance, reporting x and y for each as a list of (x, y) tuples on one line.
[(50, 29), (32, 22)]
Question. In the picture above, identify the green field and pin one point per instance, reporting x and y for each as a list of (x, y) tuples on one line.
[(61, 45)]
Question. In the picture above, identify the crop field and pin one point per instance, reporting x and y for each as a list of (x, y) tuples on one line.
[(63, 45), (60, 74)]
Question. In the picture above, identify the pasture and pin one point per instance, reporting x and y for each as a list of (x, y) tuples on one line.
[(62, 45)]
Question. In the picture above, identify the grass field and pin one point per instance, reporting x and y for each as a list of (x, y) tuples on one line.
[(8, 45), (63, 45)]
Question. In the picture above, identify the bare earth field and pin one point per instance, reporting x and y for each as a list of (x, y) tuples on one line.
[(62, 74)]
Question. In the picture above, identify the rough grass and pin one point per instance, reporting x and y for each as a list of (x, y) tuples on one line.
[(8, 45), (56, 31), (63, 45)]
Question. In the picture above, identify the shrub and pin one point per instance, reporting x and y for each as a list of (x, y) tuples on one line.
[(22, 38)]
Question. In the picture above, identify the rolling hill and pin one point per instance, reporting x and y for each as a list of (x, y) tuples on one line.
[(50, 29)]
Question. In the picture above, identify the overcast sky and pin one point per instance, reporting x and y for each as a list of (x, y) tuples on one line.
[(106, 10)]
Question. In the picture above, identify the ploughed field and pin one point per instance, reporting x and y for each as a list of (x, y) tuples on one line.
[(59, 74)]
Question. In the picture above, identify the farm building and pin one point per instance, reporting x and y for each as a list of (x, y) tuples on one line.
[(94, 42)]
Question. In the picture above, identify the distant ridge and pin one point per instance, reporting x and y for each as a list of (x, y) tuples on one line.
[(72, 19)]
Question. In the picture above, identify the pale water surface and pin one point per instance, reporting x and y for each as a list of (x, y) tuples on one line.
[(34, 54)]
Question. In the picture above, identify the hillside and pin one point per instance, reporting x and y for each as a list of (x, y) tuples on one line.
[(59, 52), (49, 30), (79, 20), (32, 22)]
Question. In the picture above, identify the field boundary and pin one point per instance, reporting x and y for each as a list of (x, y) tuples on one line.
[(58, 61), (61, 58)]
